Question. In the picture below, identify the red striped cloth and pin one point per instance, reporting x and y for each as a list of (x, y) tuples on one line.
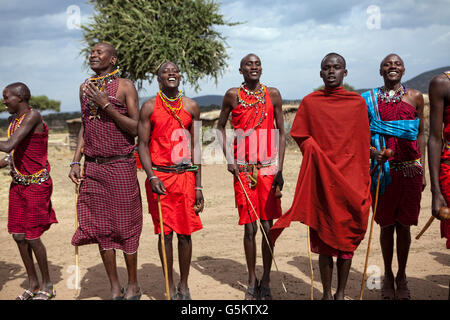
[(30, 208), (177, 205), (109, 204), (260, 146), (401, 199)]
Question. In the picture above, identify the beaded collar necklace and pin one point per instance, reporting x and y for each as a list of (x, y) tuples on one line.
[(173, 105), (391, 96), (99, 82), (256, 100)]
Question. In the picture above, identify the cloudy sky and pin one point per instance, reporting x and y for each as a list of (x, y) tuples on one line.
[(40, 46)]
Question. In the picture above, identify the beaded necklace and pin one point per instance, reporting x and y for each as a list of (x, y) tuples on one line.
[(255, 100), (99, 82), (391, 96), (173, 105), (18, 177)]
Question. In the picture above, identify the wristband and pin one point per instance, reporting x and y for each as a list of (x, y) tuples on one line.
[(74, 163), (106, 106), (152, 177), (198, 188)]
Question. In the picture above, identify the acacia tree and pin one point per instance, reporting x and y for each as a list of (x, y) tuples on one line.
[(148, 32)]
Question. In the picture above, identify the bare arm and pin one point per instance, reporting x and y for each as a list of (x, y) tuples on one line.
[(75, 169), (437, 98), (144, 130), (194, 110), (421, 139), (275, 96), (228, 104), (31, 120)]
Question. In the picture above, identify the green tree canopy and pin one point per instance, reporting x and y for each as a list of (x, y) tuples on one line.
[(345, 85), (148, 33), (40, 103)]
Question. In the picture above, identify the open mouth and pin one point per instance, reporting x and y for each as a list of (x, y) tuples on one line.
[(172, 79), (393, 73)]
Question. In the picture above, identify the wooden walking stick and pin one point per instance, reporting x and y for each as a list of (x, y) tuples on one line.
[(310, 263), (262, 230), (444, 214), (77, 257), (370, 235), (163, 248)]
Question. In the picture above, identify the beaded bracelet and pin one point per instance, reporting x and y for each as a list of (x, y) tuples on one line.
[(198, 188), (74, 163)]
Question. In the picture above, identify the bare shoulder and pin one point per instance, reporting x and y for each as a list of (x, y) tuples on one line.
[(189, 102), (149, 104), (415, 94), (274, 91), (127, 84), (231, 93)]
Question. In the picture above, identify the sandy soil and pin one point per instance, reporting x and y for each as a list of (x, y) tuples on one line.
[(218, 265)]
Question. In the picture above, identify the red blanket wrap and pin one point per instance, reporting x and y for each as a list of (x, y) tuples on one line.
[(109, 203), (30, 208), (401, 199), (169, 145), (258, 146), (332, 195)]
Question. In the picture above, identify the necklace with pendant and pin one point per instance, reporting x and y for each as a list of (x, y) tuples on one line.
[(391, 96)]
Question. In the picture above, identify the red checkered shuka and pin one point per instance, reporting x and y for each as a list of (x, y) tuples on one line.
[(109, 204), (401, 199), (30, 208)]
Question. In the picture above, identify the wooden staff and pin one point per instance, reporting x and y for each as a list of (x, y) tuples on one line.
[(262, 230), (310, 263), (444, 214), (77, 257), (370, 236), (163, 249)]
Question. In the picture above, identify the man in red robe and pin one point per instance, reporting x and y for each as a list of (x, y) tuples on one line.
[(332, 196), (165, 130), (109, 204), (439, 152), (30, 211), (257, 164)]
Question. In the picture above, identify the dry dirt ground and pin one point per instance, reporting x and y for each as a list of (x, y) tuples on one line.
[(218, 266)]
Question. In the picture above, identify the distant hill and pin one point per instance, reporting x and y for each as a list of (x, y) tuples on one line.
[(421, 81)]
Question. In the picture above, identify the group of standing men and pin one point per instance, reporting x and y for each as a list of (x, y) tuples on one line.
[(333, 194)]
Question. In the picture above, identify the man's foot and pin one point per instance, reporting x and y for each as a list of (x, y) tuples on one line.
[(26, 295), (135, 297), (265, 293), (252, 292), (403, 292), (388, 289), (133, 292), (119, 296), (327, 297), (45, 294), (183, 295), (339, 296)]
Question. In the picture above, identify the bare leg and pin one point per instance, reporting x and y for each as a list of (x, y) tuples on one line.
[(387, 249), (169, 256), (250, 231), (133, 287), (343, 269), (27, 258), (326, 274), (403, 245), (184, 257), (109, 261), (266, 254), (41, 257)]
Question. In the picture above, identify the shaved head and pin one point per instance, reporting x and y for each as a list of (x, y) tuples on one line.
[(244, 59), (334, 54), (109, 47), (162, 65), (19, 89), (390, 55)]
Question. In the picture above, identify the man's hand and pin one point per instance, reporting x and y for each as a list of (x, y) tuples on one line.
[(100, 98), (75, 174), (278, 180), (437, 201), (199, 201), (233, 169), (157, 186)]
